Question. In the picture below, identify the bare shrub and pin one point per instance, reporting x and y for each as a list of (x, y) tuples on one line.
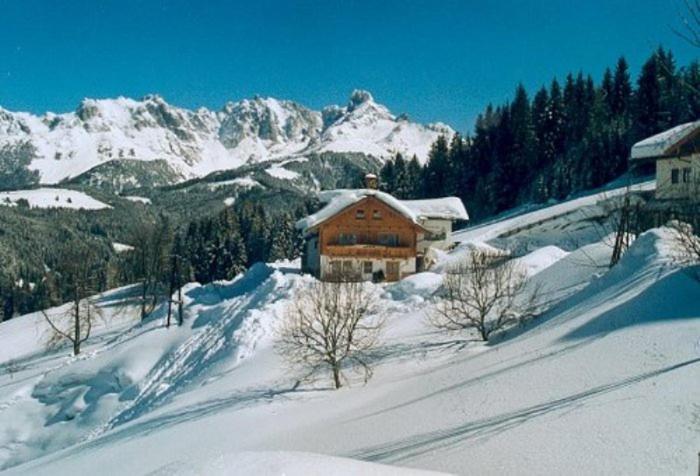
[(328, 328), (686, 245), (77, 280), (486, 292)]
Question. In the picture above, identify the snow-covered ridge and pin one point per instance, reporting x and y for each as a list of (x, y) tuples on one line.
[(196, 143)]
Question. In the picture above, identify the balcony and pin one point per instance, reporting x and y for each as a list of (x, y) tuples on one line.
[(369, 251)]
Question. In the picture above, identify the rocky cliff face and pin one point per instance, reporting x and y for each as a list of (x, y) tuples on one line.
[(195, 143)]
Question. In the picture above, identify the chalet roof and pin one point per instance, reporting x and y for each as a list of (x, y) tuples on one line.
[(447, 208), (662, 144), (338, 200)]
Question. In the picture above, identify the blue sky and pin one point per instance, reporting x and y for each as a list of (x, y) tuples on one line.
[(435, 60)]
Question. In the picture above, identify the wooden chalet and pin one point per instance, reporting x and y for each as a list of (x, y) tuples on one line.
[(366, 234)]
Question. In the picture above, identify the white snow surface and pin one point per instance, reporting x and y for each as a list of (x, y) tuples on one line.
[(136, 199), (288, 463), (605, 381), (52, 198), (196, 143), (121, 247), (243, 182), (658, 145), (280, 172)]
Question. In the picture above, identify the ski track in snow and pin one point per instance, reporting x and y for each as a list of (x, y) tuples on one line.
[(220, 335)]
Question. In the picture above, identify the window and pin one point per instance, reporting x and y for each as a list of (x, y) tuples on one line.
[(376, 215), (388, 239), (335, 268), (686, 175), (360, 214), (347, 268), (347, 239), (435, 235), (674, 176), (367, 267)]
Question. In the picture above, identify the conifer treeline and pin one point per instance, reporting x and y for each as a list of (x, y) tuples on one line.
[(566, 139), (222, 246)]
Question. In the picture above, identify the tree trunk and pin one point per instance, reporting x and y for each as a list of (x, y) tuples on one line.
[(143, 300), (179, 304), (336, 377), (76, 328)]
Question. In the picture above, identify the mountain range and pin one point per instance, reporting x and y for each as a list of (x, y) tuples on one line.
[(193, 143)]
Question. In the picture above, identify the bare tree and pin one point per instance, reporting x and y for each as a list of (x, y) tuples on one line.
[(485, 291), (686, 224), (690, 30), (152, 242), (175, 282), (624, 223), (328, 328), (74, 276)]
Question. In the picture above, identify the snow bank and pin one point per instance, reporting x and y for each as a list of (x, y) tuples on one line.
[(520, 221), (53, 198), (540, 259)]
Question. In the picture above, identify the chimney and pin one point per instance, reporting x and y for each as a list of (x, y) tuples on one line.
[(371, 181)]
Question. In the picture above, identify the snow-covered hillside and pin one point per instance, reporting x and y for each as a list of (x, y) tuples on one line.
[(605, 382), (196, 143), (52, 198)]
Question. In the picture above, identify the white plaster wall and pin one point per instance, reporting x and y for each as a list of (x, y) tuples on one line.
[(406, 266), (665, 189)]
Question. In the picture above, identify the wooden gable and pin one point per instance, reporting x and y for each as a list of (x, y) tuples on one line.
[(689, 145), (369, 222)]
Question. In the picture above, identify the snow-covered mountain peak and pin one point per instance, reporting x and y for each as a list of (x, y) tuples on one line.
[(196, 143), (359, 96)]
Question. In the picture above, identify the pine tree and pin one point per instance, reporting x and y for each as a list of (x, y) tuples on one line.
[(414, 178), (648, 113), (622, 89), (401, 187), (387, 176), (437, 169)]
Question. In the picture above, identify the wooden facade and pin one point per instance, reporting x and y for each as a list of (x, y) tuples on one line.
[(368, 232)]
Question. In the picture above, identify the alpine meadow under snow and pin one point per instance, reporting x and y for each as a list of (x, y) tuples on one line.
[(604, 381)]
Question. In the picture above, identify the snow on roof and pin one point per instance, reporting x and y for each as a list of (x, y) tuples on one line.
[(659, 144), (414, 210), (448, 208)]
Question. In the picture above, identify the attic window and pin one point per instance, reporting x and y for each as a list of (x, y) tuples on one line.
[(376, 215), (360, 214), (674, 175)]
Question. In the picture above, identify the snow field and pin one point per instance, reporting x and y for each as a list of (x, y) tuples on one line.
[(604, 382)]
